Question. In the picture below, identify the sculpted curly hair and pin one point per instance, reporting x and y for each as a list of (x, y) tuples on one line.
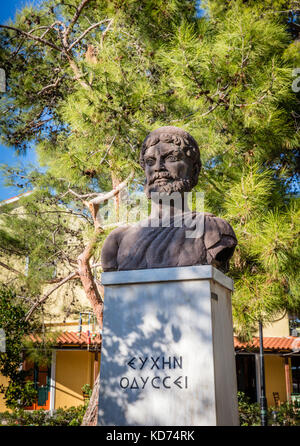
[(178, 137)]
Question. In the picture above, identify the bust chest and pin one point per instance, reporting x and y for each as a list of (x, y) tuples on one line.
[(146, 247)]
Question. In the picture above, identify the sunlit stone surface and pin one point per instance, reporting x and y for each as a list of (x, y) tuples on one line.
[(168, 355)]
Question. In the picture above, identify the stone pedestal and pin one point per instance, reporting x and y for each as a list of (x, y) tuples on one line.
[(168, 355)]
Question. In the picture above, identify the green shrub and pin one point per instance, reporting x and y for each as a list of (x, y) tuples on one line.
[(67, 417), (287, 414), (20, 394), (87, 391), (249, 413), (61, 417)]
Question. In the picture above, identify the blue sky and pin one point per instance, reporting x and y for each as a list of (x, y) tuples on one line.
[(7, 155)]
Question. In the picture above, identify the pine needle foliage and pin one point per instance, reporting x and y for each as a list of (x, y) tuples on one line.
[(225, 76)]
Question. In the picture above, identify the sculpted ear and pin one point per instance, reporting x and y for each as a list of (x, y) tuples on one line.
[(196, 171)]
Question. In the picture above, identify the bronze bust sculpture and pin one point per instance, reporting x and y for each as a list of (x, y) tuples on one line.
[(171, 160)]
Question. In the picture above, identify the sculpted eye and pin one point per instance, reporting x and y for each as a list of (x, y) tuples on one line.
[(150, 161), (173, 158)]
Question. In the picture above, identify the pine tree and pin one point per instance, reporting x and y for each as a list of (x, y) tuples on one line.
[(88, 80)]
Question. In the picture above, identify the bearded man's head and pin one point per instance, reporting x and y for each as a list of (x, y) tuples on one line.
[(170, 158)]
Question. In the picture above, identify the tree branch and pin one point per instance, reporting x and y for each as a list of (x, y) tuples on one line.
[(220, 101), (50, 86), (211, 109), (106, 196), (38, 39), (72, 275), (106, 152), (78, 74), (81, 197), (10, 268), (262, 97), (101, 197), (259, 100), (64, 50), (76, 16), (90, 29), (53, 212), (105, 32)]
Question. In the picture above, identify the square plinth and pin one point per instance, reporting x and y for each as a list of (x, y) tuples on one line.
[(168, 356)]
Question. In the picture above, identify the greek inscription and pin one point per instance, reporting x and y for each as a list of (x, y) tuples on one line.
[(155, 363), (164, 382), (152, 382), (158, 363), (179, 363), (143, 362), (165, 363), (178, 382), (134, 384), (130, 363), (155, 382), (144, 381), (126, 380)]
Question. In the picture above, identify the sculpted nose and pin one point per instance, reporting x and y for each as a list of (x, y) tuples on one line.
[(159, 165)]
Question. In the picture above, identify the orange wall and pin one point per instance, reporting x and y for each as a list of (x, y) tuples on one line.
[(275, 378), (73, 370), (3, 381)]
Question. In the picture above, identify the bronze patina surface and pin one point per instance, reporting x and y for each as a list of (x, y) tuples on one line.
[(170, 158)]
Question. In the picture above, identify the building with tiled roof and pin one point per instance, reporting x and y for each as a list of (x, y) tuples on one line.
[(75, 363), (76, 357), (75, 353), (74, 350), (283, 344)]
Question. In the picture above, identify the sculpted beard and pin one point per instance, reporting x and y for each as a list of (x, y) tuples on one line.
[(174, 184)]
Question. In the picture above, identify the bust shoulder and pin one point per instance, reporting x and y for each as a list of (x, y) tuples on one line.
[(110, 248), (214, 228), (220, 241)]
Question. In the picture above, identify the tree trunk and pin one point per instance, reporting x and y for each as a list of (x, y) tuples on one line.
[(91, 415), (92, 289), (92, 292), (88, 282), (115, 184)]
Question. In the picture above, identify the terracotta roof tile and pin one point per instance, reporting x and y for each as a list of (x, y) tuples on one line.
[(288, 343), (72, 338)]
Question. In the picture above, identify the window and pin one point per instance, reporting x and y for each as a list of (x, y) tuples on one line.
[(40, 375), (294, 323), (246, 375), (296, 373)]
